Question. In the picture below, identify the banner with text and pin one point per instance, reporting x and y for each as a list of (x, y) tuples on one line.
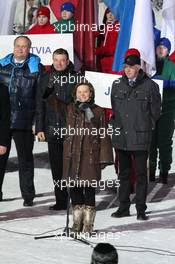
[(42, 45)]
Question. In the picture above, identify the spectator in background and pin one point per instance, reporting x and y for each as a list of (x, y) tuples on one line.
[(162, 138), (106, 49), (104, 253), (43, 25), (4, 123), (32, 17), (20, 71), (66, 23), (19, 26)]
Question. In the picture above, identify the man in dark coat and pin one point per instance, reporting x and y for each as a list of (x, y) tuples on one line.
[(20, 72), (136, 104), (4, 122), (60, 79)]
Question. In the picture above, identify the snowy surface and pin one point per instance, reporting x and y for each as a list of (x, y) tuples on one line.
[(137, 242)]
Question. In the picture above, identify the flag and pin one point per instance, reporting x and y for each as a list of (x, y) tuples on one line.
[(84, 39), (7, 15), (172, 57), (123, 10), (136, 31), (142, 34), (55, 6), (168, 22)]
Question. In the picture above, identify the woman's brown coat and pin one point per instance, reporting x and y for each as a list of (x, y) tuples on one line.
[(85, 152)]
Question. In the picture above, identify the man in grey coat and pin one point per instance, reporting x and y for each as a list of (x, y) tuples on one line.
[(136, 105)]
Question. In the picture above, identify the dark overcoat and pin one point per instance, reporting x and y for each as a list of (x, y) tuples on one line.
[(136, 109)]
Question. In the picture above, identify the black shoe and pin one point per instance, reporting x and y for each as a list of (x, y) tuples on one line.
[(57, 207), (163, 178), (120, 213), (28, 203), (1, 197), (152, 175), (142, 216)]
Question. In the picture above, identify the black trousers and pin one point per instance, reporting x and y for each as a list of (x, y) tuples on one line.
[(24, 140), (140, 158), (83, 195), (56, 162), (162, 140)]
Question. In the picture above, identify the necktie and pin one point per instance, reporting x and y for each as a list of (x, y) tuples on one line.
[(131, 83)]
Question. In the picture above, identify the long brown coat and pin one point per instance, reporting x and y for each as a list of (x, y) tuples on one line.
[(84, 154)]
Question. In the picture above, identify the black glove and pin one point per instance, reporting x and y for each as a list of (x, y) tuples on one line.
[(52, 80), (50, 85)]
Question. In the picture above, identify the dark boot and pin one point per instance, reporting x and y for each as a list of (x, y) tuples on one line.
[(142, 216), (163, 177), (121, 213), (152, 175), (0, 196), (58, 207)]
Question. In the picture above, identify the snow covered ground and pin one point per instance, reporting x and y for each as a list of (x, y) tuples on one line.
[(137, 242)]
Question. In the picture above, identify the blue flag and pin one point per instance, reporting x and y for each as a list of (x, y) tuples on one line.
[(123, 10)]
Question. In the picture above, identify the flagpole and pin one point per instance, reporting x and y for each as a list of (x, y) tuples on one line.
[(24, 18)]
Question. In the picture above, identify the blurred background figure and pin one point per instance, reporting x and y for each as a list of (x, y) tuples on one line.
[(162, 138), (66, 23), (104, 253), (24, 15), (43, 25), (107, 42)]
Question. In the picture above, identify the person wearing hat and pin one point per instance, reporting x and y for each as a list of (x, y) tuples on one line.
[(104, 253), (66, 23), (163, 134), (43, 25), (106, 48), (136, 105)]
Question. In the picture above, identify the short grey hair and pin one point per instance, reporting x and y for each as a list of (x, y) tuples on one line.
[(25, 37)]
